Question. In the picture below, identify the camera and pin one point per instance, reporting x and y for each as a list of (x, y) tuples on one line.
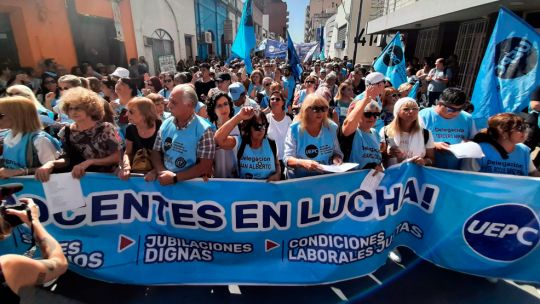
[(5, 191)]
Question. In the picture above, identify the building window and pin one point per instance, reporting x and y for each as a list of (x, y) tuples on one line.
[(426, 43), (162, 48), (342, 33), (469, 50)]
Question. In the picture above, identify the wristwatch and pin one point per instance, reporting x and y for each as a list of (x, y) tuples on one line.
[(175, 179)]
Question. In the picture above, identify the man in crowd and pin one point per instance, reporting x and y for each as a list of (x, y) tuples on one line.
[(438, 79), (184, 148), (237, 92), (449, 125), (203, 85)]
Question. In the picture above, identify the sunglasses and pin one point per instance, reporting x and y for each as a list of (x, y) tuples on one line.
[(310, 82), (275, 99), (372, 114), (319, 109), (520, 128), (450, 109), (396, 95), (258, 127)]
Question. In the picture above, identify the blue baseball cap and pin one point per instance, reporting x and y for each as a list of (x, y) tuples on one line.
[(235, 90)]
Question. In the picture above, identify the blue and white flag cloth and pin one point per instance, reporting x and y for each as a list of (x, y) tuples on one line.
[(275, 49), (509, 70), (391, 62), (245, 41), (294, 61), (414, 90)]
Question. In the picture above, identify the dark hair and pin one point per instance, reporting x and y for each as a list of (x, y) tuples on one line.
[(108, 82), (245, 127), (204, 65), (504, 122), (48, 61), (132, 61), (132, 85), (193, 69), (169, 74), (211, 106), (453, 96), (44, 89), (156, 83), (185, 77)]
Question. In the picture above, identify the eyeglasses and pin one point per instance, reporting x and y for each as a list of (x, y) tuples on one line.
[(450, 109), (275, 99), (167, 80), (413, 109), (319, 109), (74, 109), (372, 114), (259, 127), (225, 104), (520, 128)]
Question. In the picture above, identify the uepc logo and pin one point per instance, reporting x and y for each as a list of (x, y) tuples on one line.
[(505, 232), (515, 57), (393, 56)]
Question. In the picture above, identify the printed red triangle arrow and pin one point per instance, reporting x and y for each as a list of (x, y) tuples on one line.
[(124, 242), (270, 245)]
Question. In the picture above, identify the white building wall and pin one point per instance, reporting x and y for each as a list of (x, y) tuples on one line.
[(176, 17), (330, 36)]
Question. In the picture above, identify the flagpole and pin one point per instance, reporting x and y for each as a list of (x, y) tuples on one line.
[(356, 38)]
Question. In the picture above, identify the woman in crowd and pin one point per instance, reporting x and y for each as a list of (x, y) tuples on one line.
[(90, 145), (405, 88), (310, 86), (390, 96), (168, 84), (421, 74), (45, 116), (278, 125), (140, 136), (95, 85), (126, 90), (257, 155), (26, 148), (152, 85), (343, 100), (361, 143), (159, 103), (312, 140), (50, 93), (107, 87), (255, 84), (220, 110), (404, 138), (502, 144)]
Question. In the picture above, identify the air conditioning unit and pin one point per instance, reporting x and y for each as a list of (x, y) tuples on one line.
[(148, 41), (207, 37), (339, 45)]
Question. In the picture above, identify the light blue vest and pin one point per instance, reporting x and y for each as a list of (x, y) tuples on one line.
[(342, 110), (180, 146), (366, 148), (451, 131), (165, 93), (517, 163), (15, 157), (320, 148), (258, 163), (301, 96)]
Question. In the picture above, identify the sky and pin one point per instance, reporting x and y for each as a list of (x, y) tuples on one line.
[(297, 17)]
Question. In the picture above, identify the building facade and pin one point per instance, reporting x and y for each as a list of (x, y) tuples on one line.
[(317, 13), (163, 33), (278, 17), (439, 28), (71, 31)]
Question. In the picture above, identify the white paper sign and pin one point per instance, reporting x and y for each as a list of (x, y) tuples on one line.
[(63, 193), (344, 167), (371, 181), (468, 149)]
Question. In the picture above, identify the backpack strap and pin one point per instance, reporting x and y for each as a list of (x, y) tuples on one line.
[(426, 136), (241, 150), (273, 146), (31, 153), (345, 143)]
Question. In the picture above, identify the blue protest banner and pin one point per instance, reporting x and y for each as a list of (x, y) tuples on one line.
[(308, 231), (294, 61), (509, 71), (414, 90), (275, 49), (391, 62), (245, 41)]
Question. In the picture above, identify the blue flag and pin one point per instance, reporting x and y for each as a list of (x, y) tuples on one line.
[(244, 41), (414, 90), (509, 71), (391, 62), (294, 61), (275, 49)]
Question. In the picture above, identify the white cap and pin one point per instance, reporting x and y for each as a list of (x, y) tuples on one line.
[(374, 77), (401, 102), (120, 73)]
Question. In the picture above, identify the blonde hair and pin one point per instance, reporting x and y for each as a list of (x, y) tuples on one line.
[(24, 91), (312, 100), (22, 113), (342, 86), (147, 108), (87, 100), (395, 126)]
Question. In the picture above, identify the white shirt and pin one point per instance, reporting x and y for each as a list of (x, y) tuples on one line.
[(277, 131)]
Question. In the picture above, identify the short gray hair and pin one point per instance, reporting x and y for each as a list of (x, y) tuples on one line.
[(73, 80), (188, 92)]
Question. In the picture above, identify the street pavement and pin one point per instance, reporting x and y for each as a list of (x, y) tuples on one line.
[(416, 281)]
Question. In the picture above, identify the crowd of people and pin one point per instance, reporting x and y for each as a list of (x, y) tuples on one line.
[(216, 120)]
